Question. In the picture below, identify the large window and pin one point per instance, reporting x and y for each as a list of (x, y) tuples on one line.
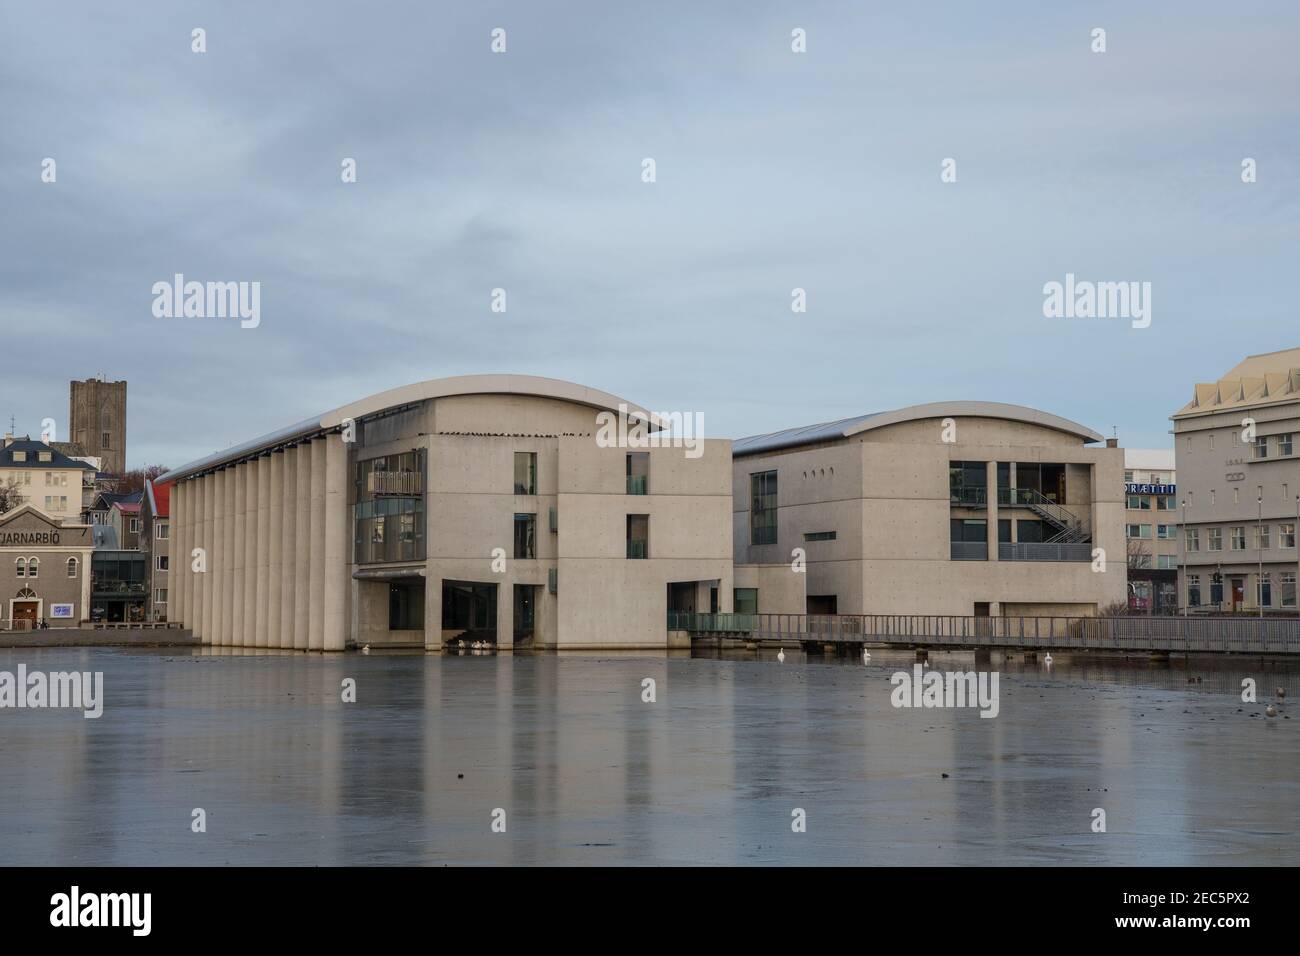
[(762, 508), (1261, 446), (1193, 539), (1193, 590), (638, 536), (389, 516), (526, 536), (1288, 589), (525, 472), (968, 483), (746, 600), (1287, 534), (1284, 444), (1214, 539), (1238, 537), (1262, 536)]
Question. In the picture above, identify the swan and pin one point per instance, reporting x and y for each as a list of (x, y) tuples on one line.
[(365, 649), (866, 656), (1270, 711), (780, 655), (1048, 659)]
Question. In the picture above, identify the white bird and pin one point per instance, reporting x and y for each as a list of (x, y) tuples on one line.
[(1048, 660), (1270, 711), (460, 643), (365, 649), (780, 655), (866, 656)]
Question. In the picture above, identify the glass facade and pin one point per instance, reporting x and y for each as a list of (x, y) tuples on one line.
[(638, 536), (762, 508), (388, 520)]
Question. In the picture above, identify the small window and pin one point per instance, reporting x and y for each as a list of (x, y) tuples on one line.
[(161, 531), (44, 456), (135, 525), (638, 472), (552, 580), (525, 536), (72, 567), (525, 473), (20, 456), (1284, 444), (160, 562), (819, 536), (20, 568), (160, 596), (638, 536), (33, 566)]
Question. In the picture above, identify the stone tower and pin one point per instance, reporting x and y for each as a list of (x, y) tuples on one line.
[(97, 421)]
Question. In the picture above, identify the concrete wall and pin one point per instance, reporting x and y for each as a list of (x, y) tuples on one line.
[(781, 590), (885, 494)]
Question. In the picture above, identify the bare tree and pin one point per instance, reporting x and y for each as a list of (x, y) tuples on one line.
[(132, 481), (11, 496), (1139, 555)]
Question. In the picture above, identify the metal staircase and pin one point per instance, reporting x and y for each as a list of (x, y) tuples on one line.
[(1070, 528)]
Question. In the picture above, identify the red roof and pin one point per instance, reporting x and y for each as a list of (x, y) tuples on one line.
[(129, 508), (161, 496)]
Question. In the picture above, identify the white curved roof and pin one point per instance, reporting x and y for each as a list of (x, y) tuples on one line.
[(532, 385), (847, 427)]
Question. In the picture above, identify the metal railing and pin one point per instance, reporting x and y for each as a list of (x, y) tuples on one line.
[(969, 550), (1237, 635), (637, 548), (1043, 551), (636, 484), (972, 497)]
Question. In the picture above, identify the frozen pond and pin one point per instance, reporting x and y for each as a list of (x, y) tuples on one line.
[(586, 772)]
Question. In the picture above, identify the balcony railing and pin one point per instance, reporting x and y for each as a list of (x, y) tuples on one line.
[(636, 549), (636, 484), (970, 551), (971, 497), (1043, 551)]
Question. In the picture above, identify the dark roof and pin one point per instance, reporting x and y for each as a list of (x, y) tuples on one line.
[(33, 448), (105, 500)]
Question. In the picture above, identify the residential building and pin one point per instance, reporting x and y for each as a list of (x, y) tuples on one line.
[(46, 478), (1151, 530), (1239, 487), (155, 544)]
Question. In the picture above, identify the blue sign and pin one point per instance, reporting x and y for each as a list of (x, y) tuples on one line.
[(60, 610), (1131, 488)]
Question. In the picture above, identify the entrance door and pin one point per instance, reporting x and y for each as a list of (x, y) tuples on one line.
[(25, 614), (1238, 593)]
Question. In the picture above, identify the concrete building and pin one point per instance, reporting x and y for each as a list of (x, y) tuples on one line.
[(45, 570), (1239, 487), (97, 421), (1151, 530), (46, 478), (155, 544), (481, 507), (962, 508)]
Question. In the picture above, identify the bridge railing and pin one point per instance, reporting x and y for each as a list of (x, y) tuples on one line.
[(1176, 634)]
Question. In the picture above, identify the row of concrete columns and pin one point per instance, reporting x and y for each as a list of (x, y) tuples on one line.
[(274, 534)]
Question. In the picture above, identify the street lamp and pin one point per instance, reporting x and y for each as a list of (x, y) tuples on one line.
[(1259, 550)]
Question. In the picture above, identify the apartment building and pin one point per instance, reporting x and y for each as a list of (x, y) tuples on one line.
[(46, 478), (155, 543), (962, 508), (1239, 487), (1151, 530)]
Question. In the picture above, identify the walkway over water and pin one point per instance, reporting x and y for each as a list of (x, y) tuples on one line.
[(1235, 635)]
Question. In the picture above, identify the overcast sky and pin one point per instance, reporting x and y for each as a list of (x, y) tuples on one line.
[(523, 171)]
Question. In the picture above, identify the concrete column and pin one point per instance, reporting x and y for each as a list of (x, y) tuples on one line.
[(302, 546), (87, 557), (239, 482), (209, 523), (262, 616), (288, 514), (338, 582), (229, 603), (200, 506), (991, 494), (180, 572), (432, 604), (316, 606), (506, 614), (217, 557), (249, 636)]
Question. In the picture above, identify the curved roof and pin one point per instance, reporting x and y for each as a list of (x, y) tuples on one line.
[(848, 427), (531, 385)]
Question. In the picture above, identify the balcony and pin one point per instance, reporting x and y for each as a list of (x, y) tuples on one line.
[(1036, 551), (970, 550), (636, 484)]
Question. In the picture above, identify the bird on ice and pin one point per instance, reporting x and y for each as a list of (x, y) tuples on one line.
[(780, 655)]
